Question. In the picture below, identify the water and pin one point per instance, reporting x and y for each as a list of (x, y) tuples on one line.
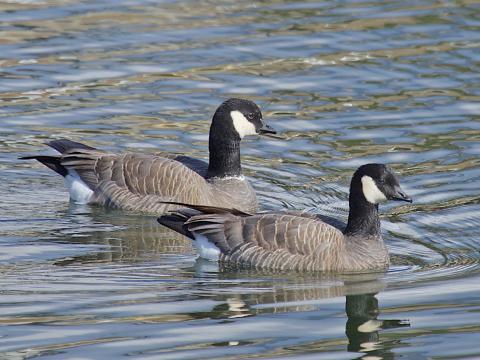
[(345, 82)]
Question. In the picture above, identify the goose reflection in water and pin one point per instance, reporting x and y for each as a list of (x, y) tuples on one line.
[(362, 328)]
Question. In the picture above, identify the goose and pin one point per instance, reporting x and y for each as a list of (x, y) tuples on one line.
[(138, 182), (293, 240)]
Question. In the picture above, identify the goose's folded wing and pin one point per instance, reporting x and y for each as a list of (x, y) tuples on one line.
[(124, 179), (268, 240)]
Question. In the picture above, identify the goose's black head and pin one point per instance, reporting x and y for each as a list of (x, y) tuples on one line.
[(377, 183), (233, 120), (371, 184), (237, 118)]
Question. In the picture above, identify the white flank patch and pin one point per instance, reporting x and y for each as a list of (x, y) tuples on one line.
[(79, 191), (371, 192), (241, 124), (205, 248)]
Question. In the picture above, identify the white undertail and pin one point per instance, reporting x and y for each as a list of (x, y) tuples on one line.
[(205, 248), (79, 191)]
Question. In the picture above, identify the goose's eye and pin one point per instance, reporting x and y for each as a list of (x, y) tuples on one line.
[(250, 116)]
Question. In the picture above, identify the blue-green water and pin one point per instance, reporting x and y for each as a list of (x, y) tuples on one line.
[(346, 82)]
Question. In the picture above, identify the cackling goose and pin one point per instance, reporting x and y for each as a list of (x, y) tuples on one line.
[(140, 182), (295, 240)]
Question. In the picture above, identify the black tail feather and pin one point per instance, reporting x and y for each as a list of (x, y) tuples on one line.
[(176, 222), (52, 162), (63, 145), (206, 209)]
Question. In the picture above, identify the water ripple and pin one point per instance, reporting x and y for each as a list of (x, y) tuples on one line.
[(345, 82)]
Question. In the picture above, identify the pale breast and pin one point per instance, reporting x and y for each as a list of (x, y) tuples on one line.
[(233, 192)]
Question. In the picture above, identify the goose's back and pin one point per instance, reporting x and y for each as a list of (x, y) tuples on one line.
[(197, 165)]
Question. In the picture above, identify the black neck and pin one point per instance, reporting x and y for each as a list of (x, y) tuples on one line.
[(224, 147), (363, 216)]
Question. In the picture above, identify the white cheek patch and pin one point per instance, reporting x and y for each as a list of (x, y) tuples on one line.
[(241, 124), (79, 191), (205, 248), (371, 191)]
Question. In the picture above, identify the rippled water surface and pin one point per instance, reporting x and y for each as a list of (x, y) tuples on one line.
[(346, 82)]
